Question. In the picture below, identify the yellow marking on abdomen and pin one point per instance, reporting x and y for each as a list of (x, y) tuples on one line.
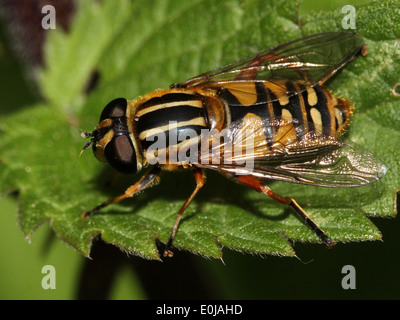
[(278, 88), (244, 92), (317, 119), (312, 98), (286, 115)]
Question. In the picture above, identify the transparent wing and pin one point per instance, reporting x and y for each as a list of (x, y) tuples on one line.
[(314, 59), (314, 160)]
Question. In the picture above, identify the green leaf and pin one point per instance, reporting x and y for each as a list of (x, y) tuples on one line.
[(139, 46)]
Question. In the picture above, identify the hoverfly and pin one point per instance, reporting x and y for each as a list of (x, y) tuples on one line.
[(276, 97)]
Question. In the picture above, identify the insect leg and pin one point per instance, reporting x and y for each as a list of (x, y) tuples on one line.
[(150, 179), (263, 188), (200, 177)]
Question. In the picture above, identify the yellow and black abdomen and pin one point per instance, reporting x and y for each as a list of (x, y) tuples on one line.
[(287, 110)]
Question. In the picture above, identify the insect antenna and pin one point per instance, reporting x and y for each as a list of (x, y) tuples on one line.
[(85, 135)]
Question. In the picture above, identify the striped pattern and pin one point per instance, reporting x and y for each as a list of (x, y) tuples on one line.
[(279, 103), (169, 116)]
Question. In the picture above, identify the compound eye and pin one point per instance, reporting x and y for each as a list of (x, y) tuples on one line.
[(115, 109), (120, 153)]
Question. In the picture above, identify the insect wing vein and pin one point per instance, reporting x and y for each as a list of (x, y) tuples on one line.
[(314, 59)]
